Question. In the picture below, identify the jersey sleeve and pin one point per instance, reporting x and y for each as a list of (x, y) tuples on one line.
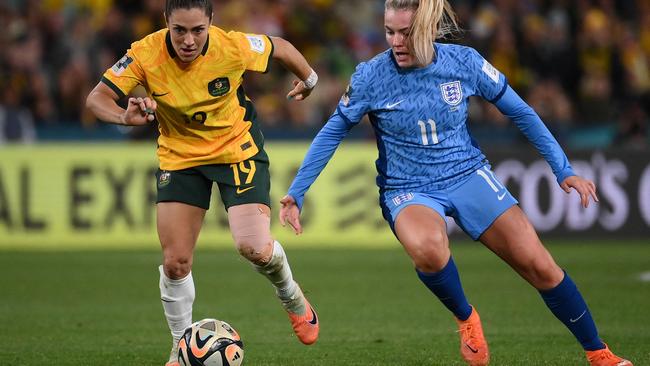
[(319, 154), (125, 75), (490, 82), (529, 123), (255, 49), (355, 102)]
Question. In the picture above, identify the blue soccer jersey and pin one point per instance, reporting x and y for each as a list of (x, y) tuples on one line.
[(420, 120), (420, 115)]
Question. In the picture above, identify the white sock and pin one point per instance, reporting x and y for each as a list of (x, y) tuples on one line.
[(177, 297), (279, 273)]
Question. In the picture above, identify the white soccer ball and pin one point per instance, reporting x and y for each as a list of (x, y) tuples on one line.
[(210, 342)]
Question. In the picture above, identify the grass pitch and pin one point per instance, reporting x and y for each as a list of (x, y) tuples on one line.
[(103, 308)]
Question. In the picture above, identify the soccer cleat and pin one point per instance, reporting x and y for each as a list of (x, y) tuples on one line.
[(305, 326), (605, 357), (473, 346)]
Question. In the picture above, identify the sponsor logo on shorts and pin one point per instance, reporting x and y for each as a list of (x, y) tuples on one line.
[(405, 197), (165, 178), (242, 190)]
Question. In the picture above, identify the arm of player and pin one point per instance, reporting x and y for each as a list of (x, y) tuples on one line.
[(319, 154), (102, 101), (511, 105), (294, 61)]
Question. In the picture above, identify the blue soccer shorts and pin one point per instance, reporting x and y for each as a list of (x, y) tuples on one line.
[(473, 203)]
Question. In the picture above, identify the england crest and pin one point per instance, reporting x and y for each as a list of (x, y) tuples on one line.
[(452, 93), (404, 197)]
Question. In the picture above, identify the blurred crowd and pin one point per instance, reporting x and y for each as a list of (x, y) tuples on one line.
[(579, 63)]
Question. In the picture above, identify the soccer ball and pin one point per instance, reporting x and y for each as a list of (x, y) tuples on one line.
[(210, 342)]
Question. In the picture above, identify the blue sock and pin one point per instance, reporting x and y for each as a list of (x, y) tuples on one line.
[(445, 284), (567, 304)]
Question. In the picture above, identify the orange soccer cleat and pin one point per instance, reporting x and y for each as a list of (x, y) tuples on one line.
[(605, 357), (305, 326), (473, 346)]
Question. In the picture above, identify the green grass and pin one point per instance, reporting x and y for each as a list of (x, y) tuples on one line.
[(102, 307)]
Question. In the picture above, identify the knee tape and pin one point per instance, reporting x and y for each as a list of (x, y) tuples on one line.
[(250, 229)]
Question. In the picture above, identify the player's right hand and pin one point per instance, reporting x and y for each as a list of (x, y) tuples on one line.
[(139, 111), (289, 213), (299, 91)]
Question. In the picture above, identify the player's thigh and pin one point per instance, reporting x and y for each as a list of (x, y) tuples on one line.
[(183, 198), (417, 221), (250, 226), (245, 191), (513, 238), (179, 225)]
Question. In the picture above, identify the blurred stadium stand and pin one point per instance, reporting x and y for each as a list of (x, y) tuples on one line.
[(584, 65)]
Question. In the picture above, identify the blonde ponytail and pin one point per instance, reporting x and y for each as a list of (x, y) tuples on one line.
[(432, 19)]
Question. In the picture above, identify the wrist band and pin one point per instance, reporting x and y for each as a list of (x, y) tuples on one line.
[(311, 81)]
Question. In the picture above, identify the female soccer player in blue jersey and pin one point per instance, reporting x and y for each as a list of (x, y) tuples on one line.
[(416, 95)]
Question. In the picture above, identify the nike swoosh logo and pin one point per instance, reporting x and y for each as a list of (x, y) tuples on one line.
[(500, 197), (578, 318), (200, 343), (393, 105), (165, 300), (159, 95), (240, 190), (471, 349), (314, 318)]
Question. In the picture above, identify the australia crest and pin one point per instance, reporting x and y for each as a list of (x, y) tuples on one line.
[(219, 87)]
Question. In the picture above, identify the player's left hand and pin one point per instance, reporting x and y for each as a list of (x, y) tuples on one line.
[(584, 187), (290, 214), (299, 91)]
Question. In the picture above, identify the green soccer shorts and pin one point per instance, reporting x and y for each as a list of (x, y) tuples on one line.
[(248, 181)]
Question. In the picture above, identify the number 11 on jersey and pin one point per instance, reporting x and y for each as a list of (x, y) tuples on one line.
[(425, 136)]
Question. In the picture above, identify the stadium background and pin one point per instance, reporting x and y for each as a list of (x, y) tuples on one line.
[(76, 194)]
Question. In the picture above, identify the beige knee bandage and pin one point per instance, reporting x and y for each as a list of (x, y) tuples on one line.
[(250, 226)]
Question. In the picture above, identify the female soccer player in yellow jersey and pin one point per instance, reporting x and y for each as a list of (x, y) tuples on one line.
[(192, 72)]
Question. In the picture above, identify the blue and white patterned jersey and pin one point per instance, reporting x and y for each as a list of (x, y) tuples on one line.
[(420, 120), (420, 115)]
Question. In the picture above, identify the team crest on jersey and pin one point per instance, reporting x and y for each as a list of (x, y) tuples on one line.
[(452, 93), (404, 197), (219, 87), (121, 65), (165, 178)]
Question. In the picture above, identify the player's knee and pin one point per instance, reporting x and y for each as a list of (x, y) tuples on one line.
[(257, 250), (544, 274), (431, 252), (177, 267)]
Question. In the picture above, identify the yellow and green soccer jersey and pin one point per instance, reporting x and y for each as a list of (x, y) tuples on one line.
[(203, 114)]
